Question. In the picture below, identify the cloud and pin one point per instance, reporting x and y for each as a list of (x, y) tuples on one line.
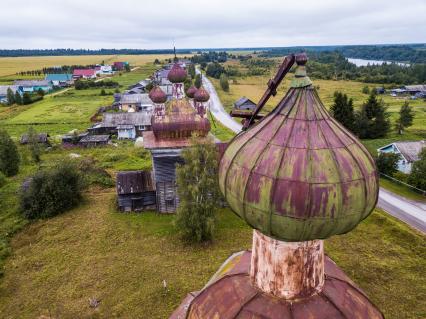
[(194, 24)]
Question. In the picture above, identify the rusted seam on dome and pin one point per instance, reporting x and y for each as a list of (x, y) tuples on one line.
[(324, 296)]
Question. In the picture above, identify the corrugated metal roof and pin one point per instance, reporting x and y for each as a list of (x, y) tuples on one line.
[(58, 77), (95, 138), (136, 99), (3, 89), (137, 119), (32, 83)]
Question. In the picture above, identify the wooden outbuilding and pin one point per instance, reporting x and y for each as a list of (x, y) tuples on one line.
[(42, 138), (94, 140), (135, 191), (244, 104)]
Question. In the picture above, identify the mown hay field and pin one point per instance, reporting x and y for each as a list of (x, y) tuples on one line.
[(12, 65)]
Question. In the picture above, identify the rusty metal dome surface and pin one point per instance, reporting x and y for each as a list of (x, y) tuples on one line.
[(230, 295), (180, 120), (177, 74), (191, 92), (298, 174), (201, 95), (157, 95)]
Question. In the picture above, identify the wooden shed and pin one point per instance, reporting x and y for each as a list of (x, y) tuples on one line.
[(244, 104), (42, 138), (135, 191), (94, 140)]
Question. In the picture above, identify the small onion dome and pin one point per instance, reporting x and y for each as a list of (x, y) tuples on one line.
[(157, 95), (230, 294), (298, 174), (201, 95), (191, 92), (177, 74)]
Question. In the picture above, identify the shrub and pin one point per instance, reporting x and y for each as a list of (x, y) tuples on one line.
[(51, 192), (387, 163), (9, 156), (224, 82)]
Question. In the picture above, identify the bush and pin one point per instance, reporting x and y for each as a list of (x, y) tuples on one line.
[(387, 163), (418, 172), (94, 175), (51, 192), (9, 156), (224, 82)]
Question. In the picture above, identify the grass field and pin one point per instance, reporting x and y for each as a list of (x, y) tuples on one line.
[(122, 260), (12, 65)]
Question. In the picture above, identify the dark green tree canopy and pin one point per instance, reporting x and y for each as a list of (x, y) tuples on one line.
[(9, 156), (198, 192), (343, 110), (405, 119), (417, 176), (387, 163)]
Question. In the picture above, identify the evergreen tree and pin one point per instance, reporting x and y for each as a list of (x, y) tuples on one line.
[(198, 192), (9, 156), (224, 83), (34, 145), (417, 176), (406, 116), (366, 89), (373, 119), (18, 98), (10, 96), (343, 110), (26, 98), (103, 93), (198, 81)]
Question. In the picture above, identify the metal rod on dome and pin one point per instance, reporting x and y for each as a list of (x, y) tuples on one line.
[(272, 88)]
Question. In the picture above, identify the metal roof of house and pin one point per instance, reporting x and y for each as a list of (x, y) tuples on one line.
[(32, 83), (136, 99), (58, 77), (133, 182), (95, 138), (84, 72), (420, 87), (3, 89), (242, 101), (410, 150), (125, 127), (125, 118)]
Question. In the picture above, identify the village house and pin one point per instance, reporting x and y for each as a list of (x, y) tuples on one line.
[(111, 122), (135, 102), (60, 79), (408, 150), (244, 104), (119, 66), (135, 191), (31, 86), (103, 70), (84, 74), (3, 92)]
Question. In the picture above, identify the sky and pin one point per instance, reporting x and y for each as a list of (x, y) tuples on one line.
[(159, 24)]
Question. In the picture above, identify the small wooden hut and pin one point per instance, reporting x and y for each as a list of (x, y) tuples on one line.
[(135, 191)]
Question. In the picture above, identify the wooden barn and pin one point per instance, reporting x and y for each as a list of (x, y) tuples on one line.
[(135, 191), (42, 138), (244, 104), (94, 140)]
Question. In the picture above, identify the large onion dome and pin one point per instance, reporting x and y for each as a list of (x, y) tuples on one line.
[(157, 95), (191, 92), (177, 74), (298, 174), (201, 95)]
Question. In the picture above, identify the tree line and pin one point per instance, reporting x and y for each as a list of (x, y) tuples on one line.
[(25, 98), (64, 52)]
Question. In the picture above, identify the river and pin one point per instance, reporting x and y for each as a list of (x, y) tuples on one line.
[(364, 62)]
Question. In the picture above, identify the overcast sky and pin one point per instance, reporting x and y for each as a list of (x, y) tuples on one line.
[(205, 24)]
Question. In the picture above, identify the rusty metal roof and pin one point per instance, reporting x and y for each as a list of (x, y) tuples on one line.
[(298, 174), (133, 182), (180, 121), (230, 294), (177, 74), (157, 95), (151, 142), (191, 91)]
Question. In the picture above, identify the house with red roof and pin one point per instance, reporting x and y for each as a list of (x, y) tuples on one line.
[(84, 74)]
